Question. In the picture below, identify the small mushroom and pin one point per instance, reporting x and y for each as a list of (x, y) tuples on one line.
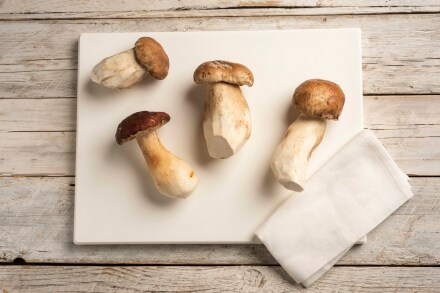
[(226, 119), (317, 100), (127, 68), (172, 176)]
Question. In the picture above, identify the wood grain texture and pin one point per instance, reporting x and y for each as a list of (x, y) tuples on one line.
[(23, 9), (414, 117), (35, 141), (37, 114), (38, 62), (51, 6), (223, 12), (212, 279), (38, 58), (37, 225), (37, 153)]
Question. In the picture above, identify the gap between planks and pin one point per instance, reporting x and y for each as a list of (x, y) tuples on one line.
[(226, 12), (22, 263)]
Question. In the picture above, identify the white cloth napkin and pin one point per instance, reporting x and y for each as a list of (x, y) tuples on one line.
[(358, 188)]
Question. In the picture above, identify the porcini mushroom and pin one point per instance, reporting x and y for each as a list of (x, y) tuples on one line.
[(127, 68), (226, 119), (317, 100), (172, 176)]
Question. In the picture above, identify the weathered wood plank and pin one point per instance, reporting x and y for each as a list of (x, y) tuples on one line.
[(37, 114), (398, 114), (415, 119), (26, 6), (397, 59), (37, 153), (38, 84), (407, 125), (222, 12), (37, 225), (23, 9), (213, 279)]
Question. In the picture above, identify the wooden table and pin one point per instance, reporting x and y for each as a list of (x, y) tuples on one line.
[(38, 67)]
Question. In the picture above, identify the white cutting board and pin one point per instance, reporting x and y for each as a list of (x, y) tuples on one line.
[(115, 199)]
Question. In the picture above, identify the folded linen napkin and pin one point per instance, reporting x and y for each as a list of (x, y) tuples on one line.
[(358, 188)]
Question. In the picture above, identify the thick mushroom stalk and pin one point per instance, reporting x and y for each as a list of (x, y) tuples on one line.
[(318, 100), (226, 119), (119, 71), (127, 68), (292, 155), (171, 175)]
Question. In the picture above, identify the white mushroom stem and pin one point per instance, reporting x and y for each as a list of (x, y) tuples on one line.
[(289, 163), (171, 175), (118, 71), (226, 121)]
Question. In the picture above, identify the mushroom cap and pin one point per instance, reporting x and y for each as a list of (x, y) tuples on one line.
[(223, 71), (319, 98), (140, 123), (152, 57)]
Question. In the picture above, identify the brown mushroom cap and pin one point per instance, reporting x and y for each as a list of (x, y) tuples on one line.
[(319, 98), (223, 71), (152, 57), (140, 123)]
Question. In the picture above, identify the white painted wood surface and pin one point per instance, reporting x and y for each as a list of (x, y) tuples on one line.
[(22, 9), (38, 59), (401, 67), (220, 279)]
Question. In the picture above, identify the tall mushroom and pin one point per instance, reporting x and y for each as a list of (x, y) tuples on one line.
[(317, 100), (127, 68), (226, 120), (171, 175)]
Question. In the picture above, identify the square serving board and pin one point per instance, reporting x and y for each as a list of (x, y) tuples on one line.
[(115, 199)]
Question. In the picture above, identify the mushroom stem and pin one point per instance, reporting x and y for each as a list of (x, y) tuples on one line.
[(291, 157), (171, 175), (226, 121), (118, 71)]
